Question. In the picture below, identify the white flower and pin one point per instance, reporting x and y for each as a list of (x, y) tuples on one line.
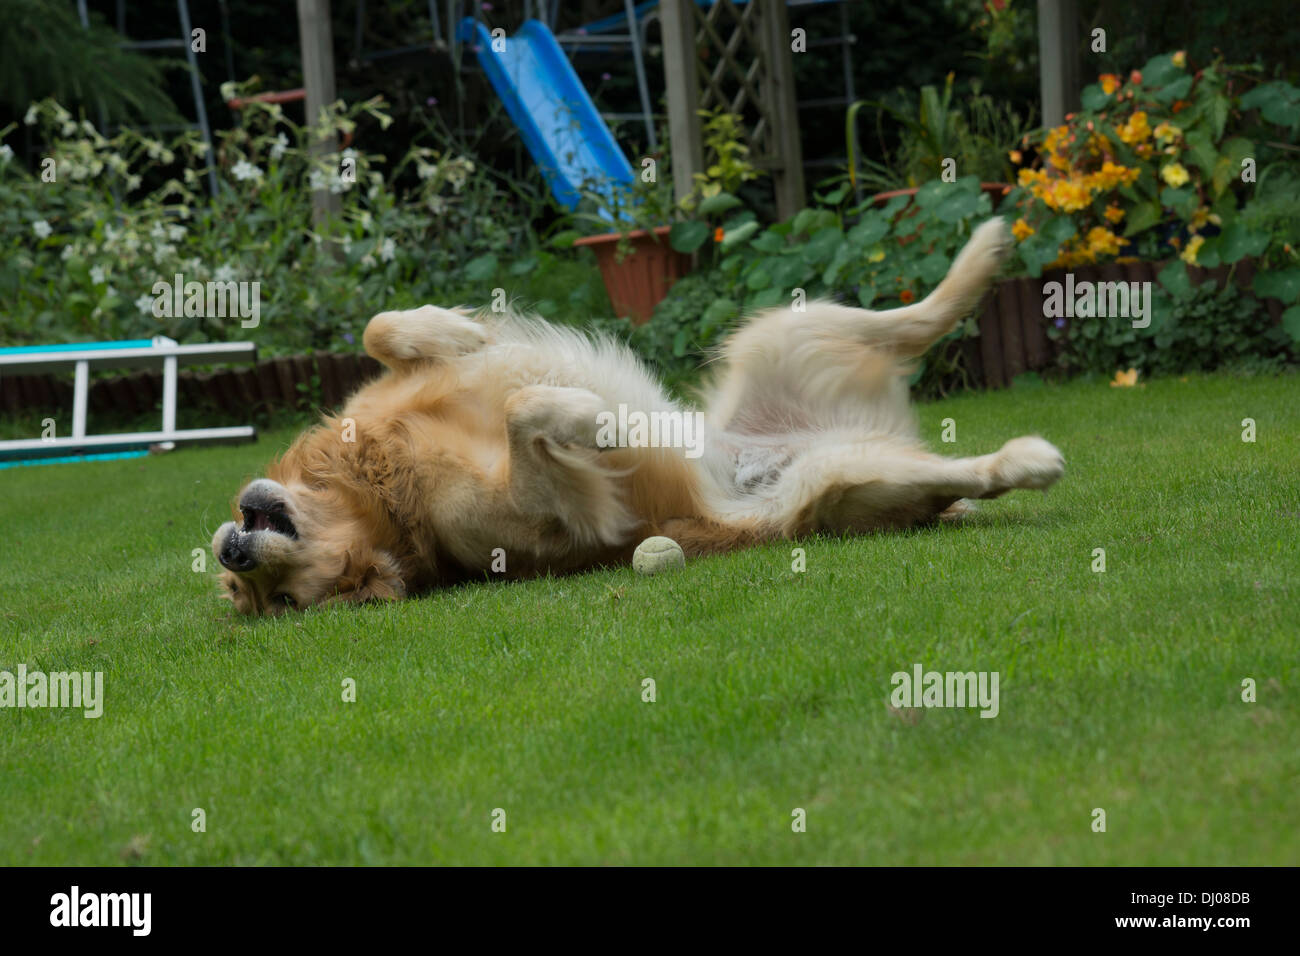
[(224, 274), (110, 291), (316, 179), (175, 233), (6, 153), (244, 171), (158, 232), (42, 229), (68, 129), (388, 251), (30, 118), (347, 245), (97, 275), (145, 304), (110, 234), (367, 261), (162, 252), (68, 252), (349, 153), (281, 144)]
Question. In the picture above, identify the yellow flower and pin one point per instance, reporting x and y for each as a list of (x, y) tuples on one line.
[(1021, 230), (1175, 174), (1113, 213), (1101, 241), (1135, 129), (1199, 218), (1180, 59), (1194, 244), (1015, 156), (1167, 131), (1125, 379), (1109, 83)]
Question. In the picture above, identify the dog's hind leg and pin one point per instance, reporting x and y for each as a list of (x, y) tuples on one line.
[(803, 365), (872, 486), (414, 337)]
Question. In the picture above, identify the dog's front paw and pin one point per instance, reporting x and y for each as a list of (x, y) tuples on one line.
[(1029, 462), (567, 416)]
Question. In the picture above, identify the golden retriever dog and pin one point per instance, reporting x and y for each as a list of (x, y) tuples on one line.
[(501, 446)]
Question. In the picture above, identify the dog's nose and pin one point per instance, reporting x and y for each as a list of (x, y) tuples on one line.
[(233, 555)]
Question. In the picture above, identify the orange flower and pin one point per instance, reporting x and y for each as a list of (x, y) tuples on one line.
[(1022, 230), (1135, 77), (1015, 156), (1125, 379), (1180, 59), (719, 234), (907, 296), (1110, 82), (1114, 213)]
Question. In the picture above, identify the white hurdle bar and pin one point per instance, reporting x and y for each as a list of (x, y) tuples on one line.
[(162, 352)]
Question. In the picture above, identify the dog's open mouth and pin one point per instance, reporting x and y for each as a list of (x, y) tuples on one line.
[(267, 519)]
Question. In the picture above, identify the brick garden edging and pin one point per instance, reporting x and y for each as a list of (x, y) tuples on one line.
[(1013, 332)]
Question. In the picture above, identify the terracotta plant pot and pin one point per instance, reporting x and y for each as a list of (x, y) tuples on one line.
[(640, 280)]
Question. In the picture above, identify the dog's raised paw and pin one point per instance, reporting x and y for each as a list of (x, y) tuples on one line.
[(1030, 462)]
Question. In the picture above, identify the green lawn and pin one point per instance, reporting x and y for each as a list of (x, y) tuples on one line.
[(1119, 690)]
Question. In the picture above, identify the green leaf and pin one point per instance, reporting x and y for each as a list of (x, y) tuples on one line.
[(718, 203), (1174, 278), (1201, 151), (868, 232), (737, 236), (1291, 322), (933, 268), (1182, 200), (769, 242), (688, 236), (768, 298), (1237, 241), (1175, 90), (1094, 98), (1281, 284), (565, 238), (481, 268), (758, 278), (821, 247), (1278, 102), (1160, 71), (680, 341), (1142, 216)]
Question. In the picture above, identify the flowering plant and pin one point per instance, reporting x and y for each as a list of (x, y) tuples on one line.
[(1160, 164), (98, 221)]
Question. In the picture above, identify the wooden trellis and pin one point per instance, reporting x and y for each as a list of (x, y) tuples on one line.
[(735, 56)]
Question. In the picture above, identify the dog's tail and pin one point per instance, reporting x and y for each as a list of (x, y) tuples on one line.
[(972, 271)]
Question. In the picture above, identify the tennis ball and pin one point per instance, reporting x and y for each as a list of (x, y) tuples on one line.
[(657, 554)]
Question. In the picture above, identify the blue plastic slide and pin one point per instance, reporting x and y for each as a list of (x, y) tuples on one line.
[(556, 117)]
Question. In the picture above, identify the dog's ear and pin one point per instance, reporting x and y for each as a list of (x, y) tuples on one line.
[(369, 576)]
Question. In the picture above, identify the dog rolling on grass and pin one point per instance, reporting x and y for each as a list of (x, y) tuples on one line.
[(480, 447)]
